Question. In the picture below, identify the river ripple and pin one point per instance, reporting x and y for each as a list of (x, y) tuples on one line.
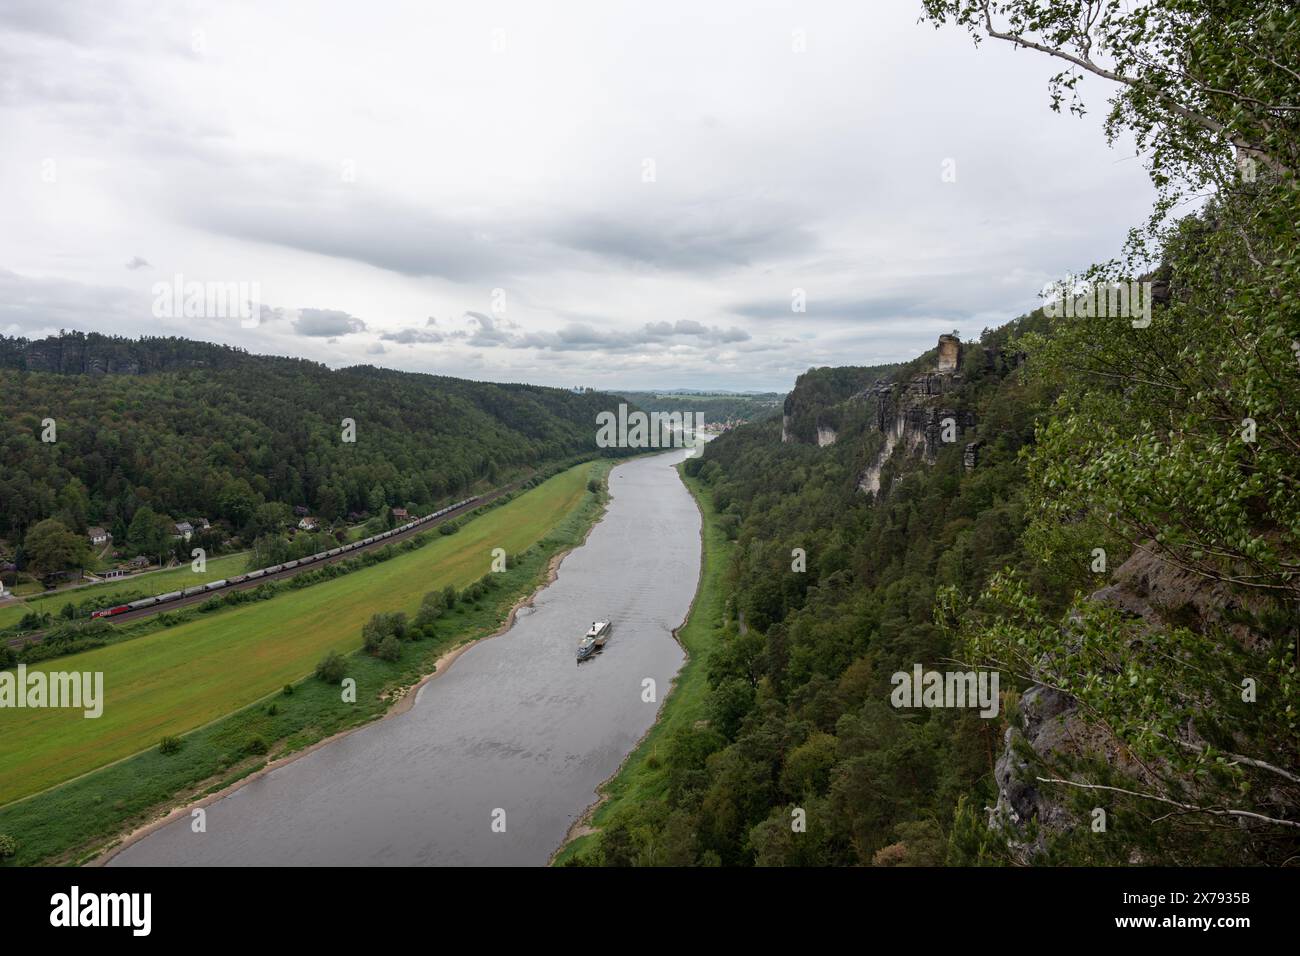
[(514, 724)]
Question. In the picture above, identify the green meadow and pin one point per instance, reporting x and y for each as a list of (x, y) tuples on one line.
[(177, 679)]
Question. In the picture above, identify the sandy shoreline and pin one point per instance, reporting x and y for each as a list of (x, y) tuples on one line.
[(402, 704)]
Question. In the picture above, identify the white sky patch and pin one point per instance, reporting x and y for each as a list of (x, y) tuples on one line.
[(372, 169)]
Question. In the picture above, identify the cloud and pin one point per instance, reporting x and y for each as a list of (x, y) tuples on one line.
[(412, 336), (137, 263), (324, 323)]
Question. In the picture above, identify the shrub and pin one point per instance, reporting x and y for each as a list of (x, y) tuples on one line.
[(331, 668), (593, 486), (8, 846), (272, 710), (169, 745), (390, 649), (256, 746), (288, 690)]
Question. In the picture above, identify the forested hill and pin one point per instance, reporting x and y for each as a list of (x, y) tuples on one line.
[(1053, 503), (200, 430)]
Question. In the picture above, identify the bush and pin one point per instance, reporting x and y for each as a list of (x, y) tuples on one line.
[(256, 746), (272, 710), (169, 745), (390, 649), (331, 668), (593, 486), (8, 846), (288, 690)]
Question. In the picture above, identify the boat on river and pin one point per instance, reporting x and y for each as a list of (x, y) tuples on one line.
[(593, 640)]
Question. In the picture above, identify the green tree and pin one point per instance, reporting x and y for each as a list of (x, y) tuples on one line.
[(52, 547)]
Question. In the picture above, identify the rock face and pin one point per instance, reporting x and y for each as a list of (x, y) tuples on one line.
[(825, 436), (914, 415), (949, 353), (1050, 723)]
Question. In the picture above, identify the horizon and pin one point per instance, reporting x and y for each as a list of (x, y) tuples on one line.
[(796, 189)]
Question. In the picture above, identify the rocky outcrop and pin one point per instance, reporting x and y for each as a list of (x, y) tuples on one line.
[(915, 415), (825, 436), (949, 353), (1050, 725)]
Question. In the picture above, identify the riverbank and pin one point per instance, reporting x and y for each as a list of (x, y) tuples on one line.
[(85, 818), (642, 776)]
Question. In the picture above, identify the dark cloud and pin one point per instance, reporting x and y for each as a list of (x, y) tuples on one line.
[(324, 323), (412, 336)]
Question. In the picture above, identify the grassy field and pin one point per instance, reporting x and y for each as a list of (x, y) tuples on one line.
[(175, 680), (641, 778), (153, 582)]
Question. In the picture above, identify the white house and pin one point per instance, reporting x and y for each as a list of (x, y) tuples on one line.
[(98, 536), (184, 530), (307, 524)]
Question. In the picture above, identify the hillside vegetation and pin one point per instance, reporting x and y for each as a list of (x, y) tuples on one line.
[(1104, 511), (190, 429)]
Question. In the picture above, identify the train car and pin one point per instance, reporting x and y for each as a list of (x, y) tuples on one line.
[(215, 585), (110, 611), (254, 575), (169, 596), (143, 602), (238, 579), (197, 589), (289, 565), (274, 569)]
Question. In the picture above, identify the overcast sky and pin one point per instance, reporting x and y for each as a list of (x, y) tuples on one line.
[(646, 184)]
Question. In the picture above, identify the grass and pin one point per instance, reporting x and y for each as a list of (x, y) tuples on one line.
[(641, 778), (131, 588), (73, 822), (172, 681)]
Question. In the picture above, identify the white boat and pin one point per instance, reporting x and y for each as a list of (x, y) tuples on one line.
[(599, 632)]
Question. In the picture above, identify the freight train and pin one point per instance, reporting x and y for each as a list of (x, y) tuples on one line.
[(276, 568)]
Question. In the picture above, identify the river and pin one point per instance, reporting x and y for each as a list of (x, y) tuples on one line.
[(501, 753)]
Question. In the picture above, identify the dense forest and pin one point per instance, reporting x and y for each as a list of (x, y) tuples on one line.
[(189, 429), (1115, 530)]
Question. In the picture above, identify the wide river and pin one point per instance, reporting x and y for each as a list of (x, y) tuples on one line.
[(514, 736)]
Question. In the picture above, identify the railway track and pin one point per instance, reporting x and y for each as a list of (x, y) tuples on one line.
[(312, 562)]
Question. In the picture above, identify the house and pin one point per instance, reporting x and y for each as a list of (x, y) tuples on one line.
[(202, 524), (401, 514), (301, 511), (307, 524), (98, 536), (184, 530), (114, 573), (139, 561)]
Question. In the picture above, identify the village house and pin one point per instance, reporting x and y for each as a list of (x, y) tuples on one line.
[(307, 524), (184, 531), (139, 561), (401, 514), (98, 536)]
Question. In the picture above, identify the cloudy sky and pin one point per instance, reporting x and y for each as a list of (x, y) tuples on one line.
[(610, 194)]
